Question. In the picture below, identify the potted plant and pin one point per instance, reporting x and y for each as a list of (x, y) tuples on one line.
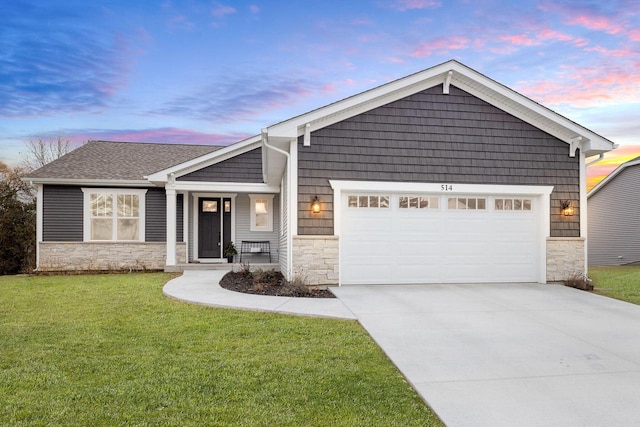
[(230, 251)]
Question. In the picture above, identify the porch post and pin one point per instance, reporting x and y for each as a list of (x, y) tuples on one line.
[(171, 226)]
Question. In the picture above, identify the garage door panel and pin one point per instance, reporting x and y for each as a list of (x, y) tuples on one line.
[(411, 245)]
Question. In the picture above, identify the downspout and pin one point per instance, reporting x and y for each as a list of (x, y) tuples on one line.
[(265, 142)]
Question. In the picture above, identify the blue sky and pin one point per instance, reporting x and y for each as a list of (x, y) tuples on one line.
[(216, 72)]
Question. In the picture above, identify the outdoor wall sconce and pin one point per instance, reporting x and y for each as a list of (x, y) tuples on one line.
[(315, 205), (567, 208)]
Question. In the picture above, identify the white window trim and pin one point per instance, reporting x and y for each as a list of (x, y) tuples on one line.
[(115, 192), (252, 212)]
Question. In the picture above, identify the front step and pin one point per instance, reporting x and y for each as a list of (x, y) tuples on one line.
[(219, 266)]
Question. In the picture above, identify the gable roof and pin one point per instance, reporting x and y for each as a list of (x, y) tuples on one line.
[(612, 175), (120, 162), (448, 73)]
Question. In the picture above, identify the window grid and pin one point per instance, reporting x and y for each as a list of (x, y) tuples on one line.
[(364, 201), (418, 202), (512, 204), (467, 203)]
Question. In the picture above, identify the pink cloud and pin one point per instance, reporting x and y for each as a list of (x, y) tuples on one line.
[(634, 35), (254, 9), (586, 87), (440, 44), (221, 10), (616, 53), (598, 23), (404, 5), (520, 40)]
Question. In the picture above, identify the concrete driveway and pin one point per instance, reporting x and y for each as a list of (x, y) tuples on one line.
[(509, 354)]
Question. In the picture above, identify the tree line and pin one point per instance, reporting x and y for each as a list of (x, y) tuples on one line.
[(18, 205)]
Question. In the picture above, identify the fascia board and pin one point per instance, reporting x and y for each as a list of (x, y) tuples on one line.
[(228, 187), (612, 175), (206, 160), (90, 182), (363, 102), (532, 110), (496, 94)]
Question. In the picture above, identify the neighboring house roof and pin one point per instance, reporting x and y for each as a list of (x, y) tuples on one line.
[(117, 161), (612, 175)]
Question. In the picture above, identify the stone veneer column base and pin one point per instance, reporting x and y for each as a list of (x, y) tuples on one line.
[(565, 257), (316, 259), (94, 256)]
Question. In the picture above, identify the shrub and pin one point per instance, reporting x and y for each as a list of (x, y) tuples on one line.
[(579, 281)]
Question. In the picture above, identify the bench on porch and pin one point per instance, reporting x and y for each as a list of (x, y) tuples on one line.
[(255, 247)]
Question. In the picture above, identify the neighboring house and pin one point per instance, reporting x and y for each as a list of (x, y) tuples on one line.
[(614, 217), (441, 176)]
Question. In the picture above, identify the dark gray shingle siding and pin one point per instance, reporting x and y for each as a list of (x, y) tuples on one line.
[(156, 215), (246, 167), (433, 137), (62, 216), (614, 220)]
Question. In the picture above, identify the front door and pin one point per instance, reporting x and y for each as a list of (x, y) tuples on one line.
[(214, 226)]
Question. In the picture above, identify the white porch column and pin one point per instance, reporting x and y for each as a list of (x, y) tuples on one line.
[(171, 226), (39, 221)]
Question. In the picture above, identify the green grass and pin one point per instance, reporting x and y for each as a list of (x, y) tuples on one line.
[(112, 350), (622, 282)]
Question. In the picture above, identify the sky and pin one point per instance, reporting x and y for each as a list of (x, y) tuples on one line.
[(215, 72)]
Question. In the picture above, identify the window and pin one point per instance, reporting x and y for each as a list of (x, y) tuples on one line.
[(261, 211), (467, 203), (418, 202), (516, 204), (368, 201), (114, 214)]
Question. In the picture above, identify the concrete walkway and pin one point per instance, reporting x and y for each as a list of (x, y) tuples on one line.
[(484, 355), (509, 354), (202, 287)]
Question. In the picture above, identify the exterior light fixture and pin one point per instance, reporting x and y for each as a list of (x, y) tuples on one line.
[(567, 208), (315, 205)]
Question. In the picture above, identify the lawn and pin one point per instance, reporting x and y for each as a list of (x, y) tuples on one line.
[(621, 282), (112, 350)]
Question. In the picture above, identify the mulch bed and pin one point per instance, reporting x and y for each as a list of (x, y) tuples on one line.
[(269, 283)]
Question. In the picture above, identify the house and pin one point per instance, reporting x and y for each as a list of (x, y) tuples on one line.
[(441, 176), (614, 217)]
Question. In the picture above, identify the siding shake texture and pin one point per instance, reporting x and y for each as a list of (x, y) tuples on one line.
[(436, 138)]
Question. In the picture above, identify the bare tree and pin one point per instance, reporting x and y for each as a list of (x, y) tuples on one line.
[(42, 151)]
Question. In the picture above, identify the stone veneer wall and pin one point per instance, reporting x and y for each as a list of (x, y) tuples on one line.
[(316, 259), (94, 256), (565, 257)]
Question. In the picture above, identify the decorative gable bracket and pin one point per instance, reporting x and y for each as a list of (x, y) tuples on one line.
[(575, 143), (447, 82)]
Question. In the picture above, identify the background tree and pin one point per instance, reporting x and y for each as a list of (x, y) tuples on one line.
[(18, 204), (42, 151), (17, 222)]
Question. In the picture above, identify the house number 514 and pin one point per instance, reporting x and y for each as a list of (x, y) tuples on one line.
[(446, 187)]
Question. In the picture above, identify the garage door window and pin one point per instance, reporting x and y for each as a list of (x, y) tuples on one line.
[(502, 204), (467, 203), (368, 201), (418, 202)]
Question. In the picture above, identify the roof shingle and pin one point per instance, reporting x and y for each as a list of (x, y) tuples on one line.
[(105, 160)]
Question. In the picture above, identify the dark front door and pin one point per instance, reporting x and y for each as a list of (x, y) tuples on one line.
[(209, 228)]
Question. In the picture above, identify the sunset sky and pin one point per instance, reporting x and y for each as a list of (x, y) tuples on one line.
[(216, 72)]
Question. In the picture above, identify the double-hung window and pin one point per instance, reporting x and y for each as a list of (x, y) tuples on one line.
[(261, 211), (114, 214)]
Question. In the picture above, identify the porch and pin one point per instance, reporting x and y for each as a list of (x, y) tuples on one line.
[(207, 223)]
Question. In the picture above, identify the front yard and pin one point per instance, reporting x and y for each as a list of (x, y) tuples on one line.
[(112, 350), (621, 282)]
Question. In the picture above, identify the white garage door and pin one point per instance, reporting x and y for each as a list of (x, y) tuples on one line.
[(434, 238)]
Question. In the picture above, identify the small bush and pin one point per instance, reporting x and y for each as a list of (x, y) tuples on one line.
[(579, 281)]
